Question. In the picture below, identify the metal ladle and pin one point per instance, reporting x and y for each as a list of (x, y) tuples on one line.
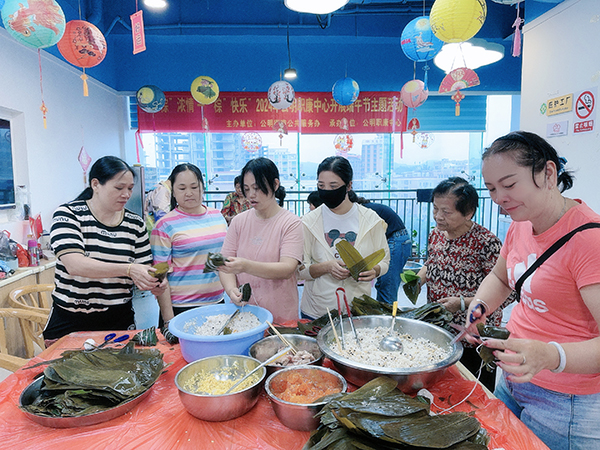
[(277, 355), (391, 343)]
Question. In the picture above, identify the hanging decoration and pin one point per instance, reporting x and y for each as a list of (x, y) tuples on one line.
[(456, 80), (150, 99), (251, 142), (457, 20), (414, 125), (83, 45), (205, 90), (281, 95), (414, 94), (344, 124), (345, 91), (35, 23), (516, 47), (343, 143), (280, 127), (425, 140), (418, 41), (137, 31), (84, 160)]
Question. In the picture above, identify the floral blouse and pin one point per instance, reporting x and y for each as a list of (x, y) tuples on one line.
[(458, 266), (234, 204)]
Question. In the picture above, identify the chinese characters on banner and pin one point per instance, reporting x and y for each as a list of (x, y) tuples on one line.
[(311, 113)]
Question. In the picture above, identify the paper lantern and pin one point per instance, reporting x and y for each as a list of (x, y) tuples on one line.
[(251, 142), (414, 93), (457, 20), (35, 23), (205, 90), (150, 99), (83, 44), (343, 143), (345, 91), (418, 41), (281, 95)]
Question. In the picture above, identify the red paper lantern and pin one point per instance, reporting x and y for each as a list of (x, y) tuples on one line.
[(83, 44)]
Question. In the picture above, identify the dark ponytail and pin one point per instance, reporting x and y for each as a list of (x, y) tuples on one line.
[(280, 194), (103, 170)]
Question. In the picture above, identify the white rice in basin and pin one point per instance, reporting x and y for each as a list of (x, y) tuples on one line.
[(244, 321), (417, 352)]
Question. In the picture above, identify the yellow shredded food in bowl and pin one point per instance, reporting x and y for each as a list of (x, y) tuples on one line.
[(218, 382)]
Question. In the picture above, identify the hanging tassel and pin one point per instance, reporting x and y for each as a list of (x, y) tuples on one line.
[(457, 97), (516, 51), (138, 143), (44, 111), (43, 107), (84, 77), (426, 78)]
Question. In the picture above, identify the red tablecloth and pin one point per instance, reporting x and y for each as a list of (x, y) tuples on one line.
[(161, 422)]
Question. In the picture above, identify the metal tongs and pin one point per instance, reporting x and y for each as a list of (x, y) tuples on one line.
[(343, 291)]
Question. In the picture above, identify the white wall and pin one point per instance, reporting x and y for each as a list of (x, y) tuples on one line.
[(561, 55), (46, 159)]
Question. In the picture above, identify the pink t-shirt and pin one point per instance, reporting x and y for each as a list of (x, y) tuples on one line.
[(268, 240), (551, 307)]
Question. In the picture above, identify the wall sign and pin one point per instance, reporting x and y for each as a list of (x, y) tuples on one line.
[(560, 105), (585, 111), (556, 129)]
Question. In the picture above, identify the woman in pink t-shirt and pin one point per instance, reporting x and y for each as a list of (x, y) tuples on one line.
[(264, 245), (551, 361)]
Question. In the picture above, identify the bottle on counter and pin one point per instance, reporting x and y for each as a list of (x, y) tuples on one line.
[(32, 248)]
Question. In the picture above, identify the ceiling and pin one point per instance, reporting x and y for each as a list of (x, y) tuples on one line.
[(242, 44)]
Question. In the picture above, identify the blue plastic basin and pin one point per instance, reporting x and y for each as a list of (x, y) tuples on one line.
[(194, 347)]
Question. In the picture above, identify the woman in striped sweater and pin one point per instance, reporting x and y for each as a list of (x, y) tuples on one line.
[(183, 237), (102, 250)]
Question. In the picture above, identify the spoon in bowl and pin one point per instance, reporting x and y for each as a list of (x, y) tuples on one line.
[(392, 343)]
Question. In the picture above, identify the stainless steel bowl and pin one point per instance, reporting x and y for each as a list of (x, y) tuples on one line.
[(218, 408), (33, 390), (267, 347), (409, 380), (299, 416)]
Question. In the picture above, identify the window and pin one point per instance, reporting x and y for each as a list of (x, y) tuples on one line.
[(7, 181)]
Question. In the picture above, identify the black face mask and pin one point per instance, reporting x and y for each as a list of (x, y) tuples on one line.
[(333, 198)]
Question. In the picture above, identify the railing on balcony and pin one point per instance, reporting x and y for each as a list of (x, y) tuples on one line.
[(413, 207)]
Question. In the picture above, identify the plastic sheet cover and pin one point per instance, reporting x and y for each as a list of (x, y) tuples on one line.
[(161, 422)]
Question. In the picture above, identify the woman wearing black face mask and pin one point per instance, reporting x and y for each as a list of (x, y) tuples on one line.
[(339, 217)]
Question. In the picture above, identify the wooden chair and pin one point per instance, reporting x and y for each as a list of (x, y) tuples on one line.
[(31, 324), (35, 297)]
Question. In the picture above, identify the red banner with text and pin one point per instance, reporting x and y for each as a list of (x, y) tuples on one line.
[(310, 113)]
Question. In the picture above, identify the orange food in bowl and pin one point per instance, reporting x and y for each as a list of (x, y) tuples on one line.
[(304, 386)]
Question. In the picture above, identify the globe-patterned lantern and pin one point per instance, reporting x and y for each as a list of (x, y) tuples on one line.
[(281, 95), (83, 44), (345, 91), (205, 90), (418, 41), (35, 23), (150, 99), (457, 20)]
